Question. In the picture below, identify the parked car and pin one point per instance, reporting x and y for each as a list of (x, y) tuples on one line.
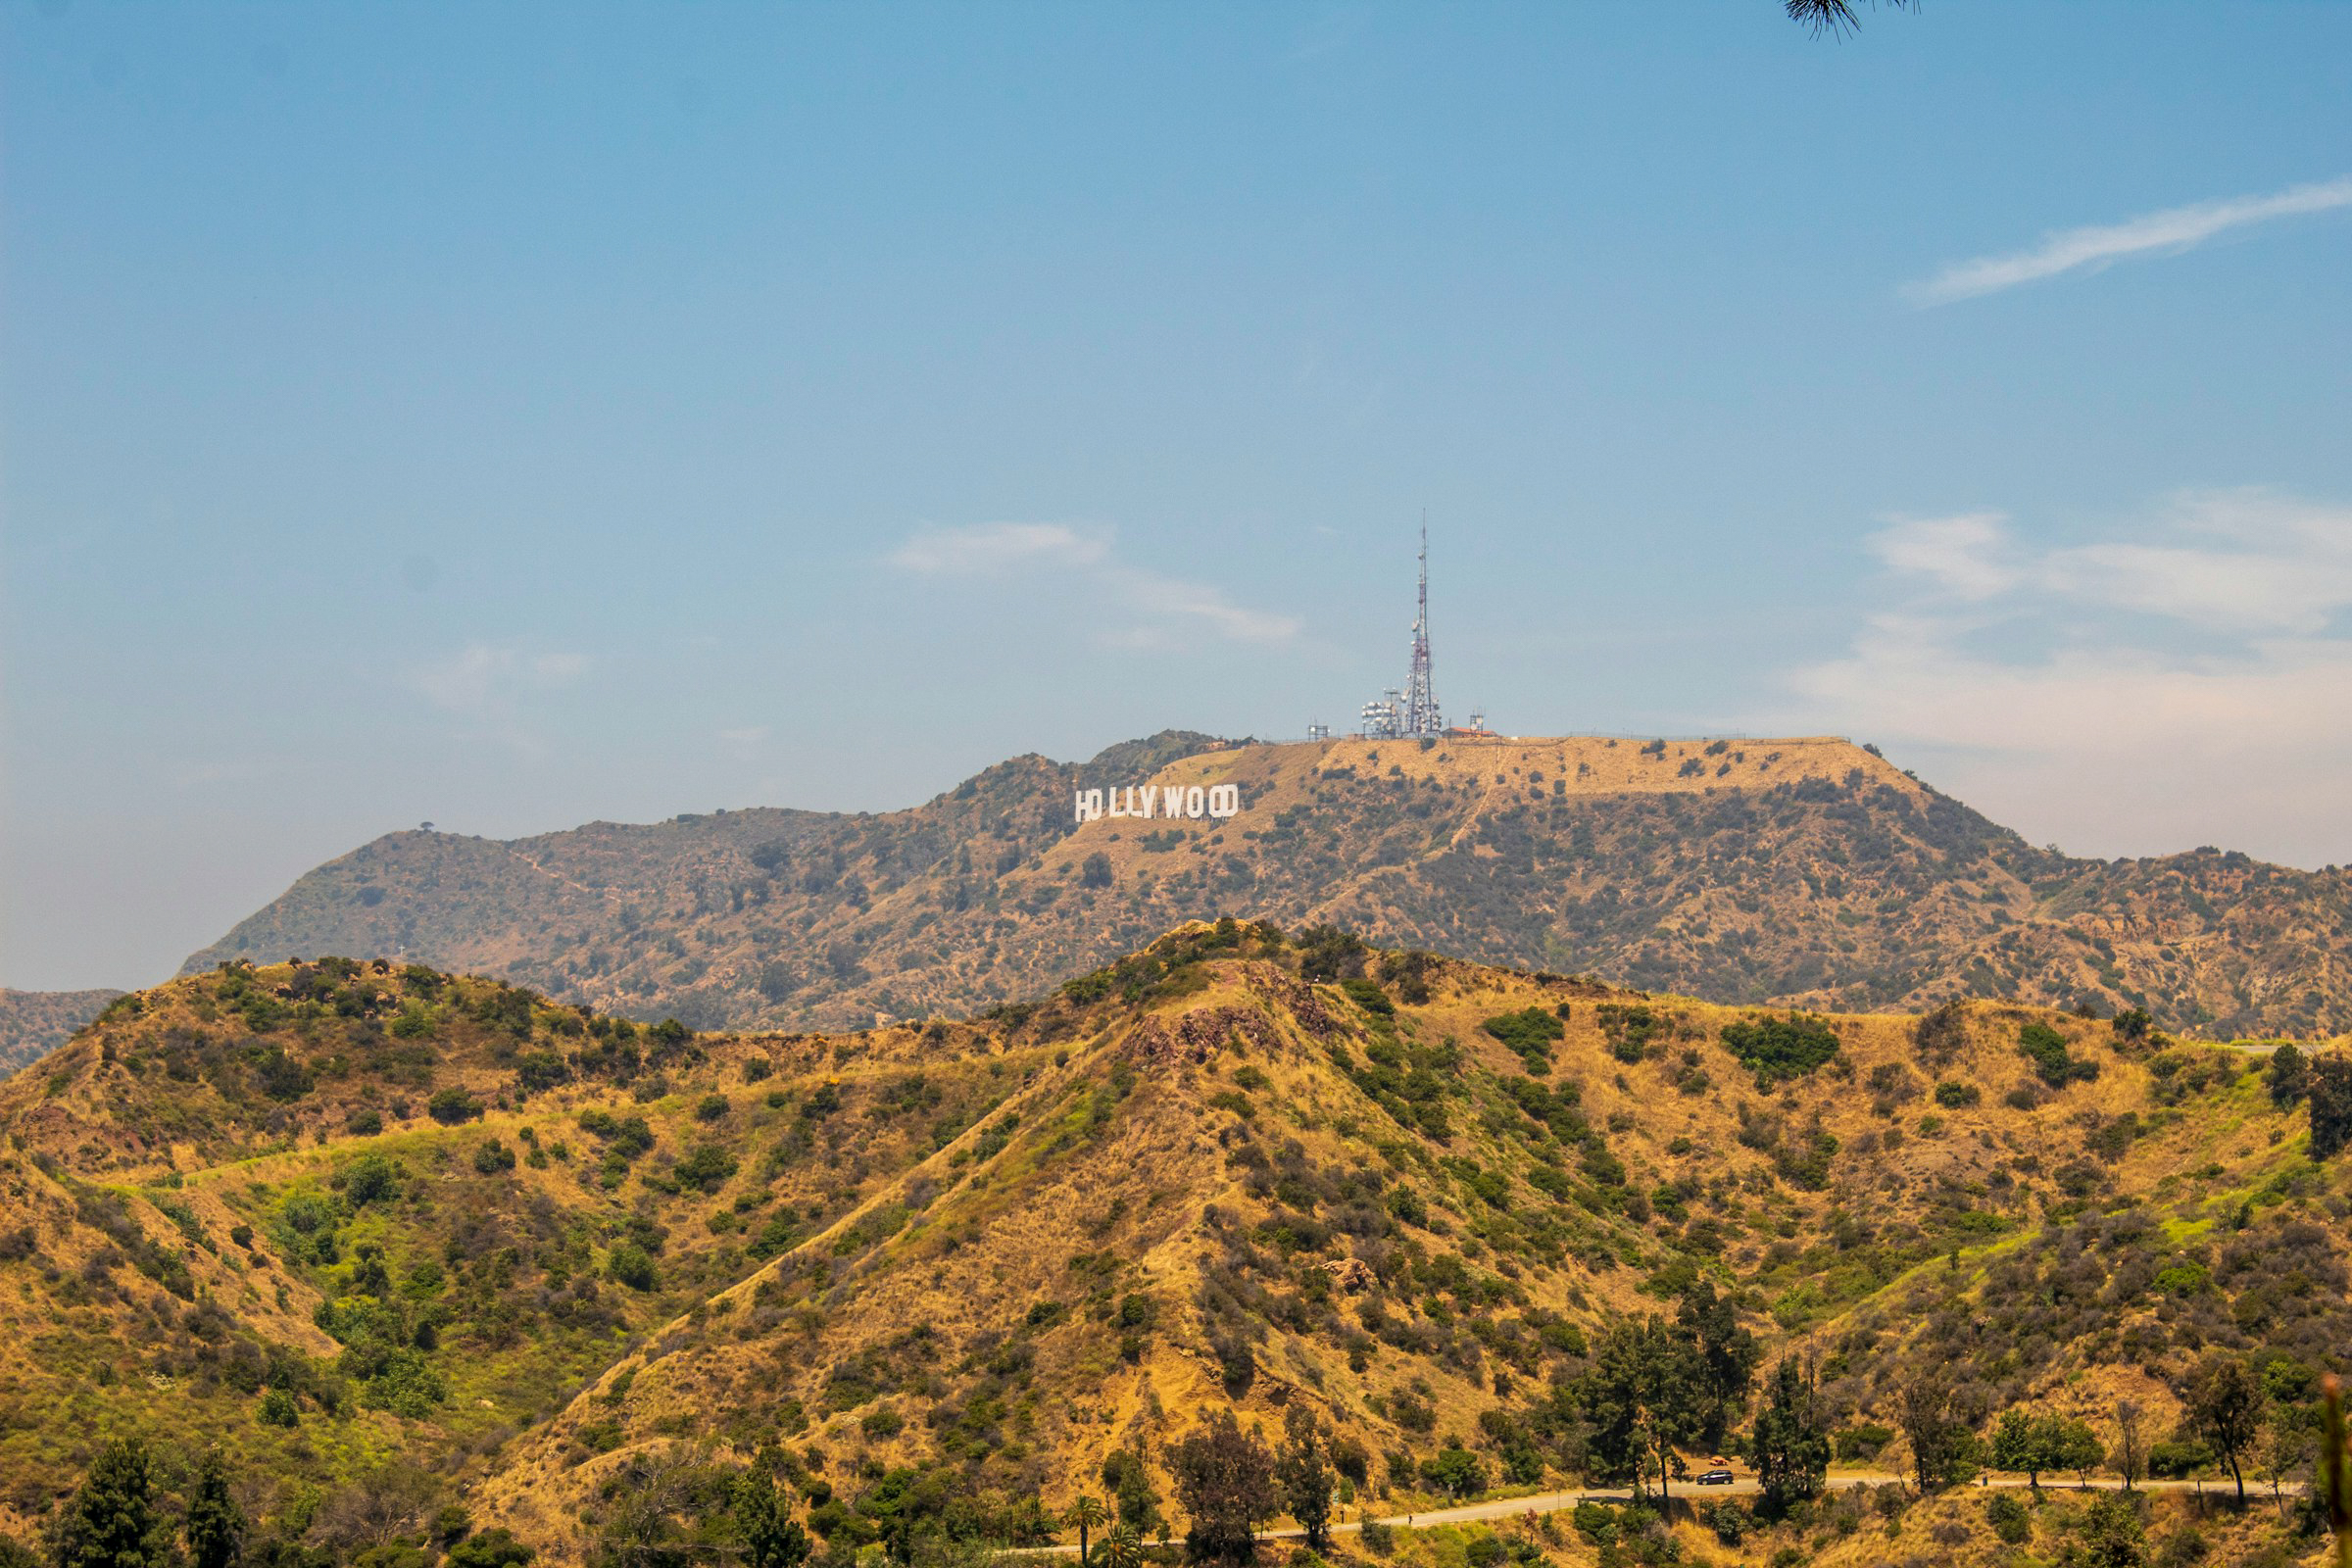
[(1715, 1478)]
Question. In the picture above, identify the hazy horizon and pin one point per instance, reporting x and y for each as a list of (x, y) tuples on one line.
[(517, 419)]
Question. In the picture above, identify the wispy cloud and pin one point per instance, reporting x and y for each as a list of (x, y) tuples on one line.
[(2168, 233), (1157, 606), (747, 735), (1964, 554), (1198, 604), (483, 678), (2187, 681), (993, 547), (2249, 562)]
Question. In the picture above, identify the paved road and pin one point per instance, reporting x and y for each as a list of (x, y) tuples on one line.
[(1745, 1486)]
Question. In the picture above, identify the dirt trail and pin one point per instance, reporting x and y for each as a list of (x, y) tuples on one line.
[(1556, 1501)]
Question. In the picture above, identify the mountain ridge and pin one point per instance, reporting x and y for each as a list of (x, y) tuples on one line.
[(1803, 871)]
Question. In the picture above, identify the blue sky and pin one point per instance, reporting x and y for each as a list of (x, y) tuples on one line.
[(510, 416)]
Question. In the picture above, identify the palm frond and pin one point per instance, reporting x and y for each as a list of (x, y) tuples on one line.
[(1835, 17)]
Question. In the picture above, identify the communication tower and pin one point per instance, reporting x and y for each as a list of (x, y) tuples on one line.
[(1412, 713), (1421, 715)]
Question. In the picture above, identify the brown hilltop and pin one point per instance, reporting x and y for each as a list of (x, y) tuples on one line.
[(1805, 871), (581, 1268)]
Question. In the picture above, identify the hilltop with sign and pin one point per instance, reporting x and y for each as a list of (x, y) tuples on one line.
[(1804, 870)]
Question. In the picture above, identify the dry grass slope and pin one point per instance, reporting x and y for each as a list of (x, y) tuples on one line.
[(577, 1272)]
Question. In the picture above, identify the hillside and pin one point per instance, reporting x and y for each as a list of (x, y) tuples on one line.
[(399, 1240), (34, 1024), (1796, 872)]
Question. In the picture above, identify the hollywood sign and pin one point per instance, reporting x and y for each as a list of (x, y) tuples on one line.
[(1154, 800)]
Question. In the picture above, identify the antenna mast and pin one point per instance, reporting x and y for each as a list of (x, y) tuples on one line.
[(1421, 715), (1411, 714)]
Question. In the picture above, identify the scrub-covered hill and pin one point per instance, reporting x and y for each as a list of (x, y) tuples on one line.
[(401, 1241), (34, 1024), (1803, 871)]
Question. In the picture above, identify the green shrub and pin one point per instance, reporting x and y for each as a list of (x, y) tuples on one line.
[(2185, 1278), (1778, 1050), (706, 1167), (1957, 1096), (2045, 1047), (1629, 1028), (1807, 1164), (368, 1178), (1457, 1472), (2287, 1076), (1531, 1030), (452, 1105), (494, 1547), (536, 1072), (1862, 1441), (1596, 1521), (1367, 995), (2112, 1530), (2009, 1517), (632, 1265)]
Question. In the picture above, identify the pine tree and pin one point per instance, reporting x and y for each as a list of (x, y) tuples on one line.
[(1642, 1398), (771, 1537), (1726, 1357), (216, 1525), (1935, 1420), (111, 1521), (2329, 1085), (1791, 1440), (1304, 1468), (1129, 1482), (2287, 1077), (1225, 1480)]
